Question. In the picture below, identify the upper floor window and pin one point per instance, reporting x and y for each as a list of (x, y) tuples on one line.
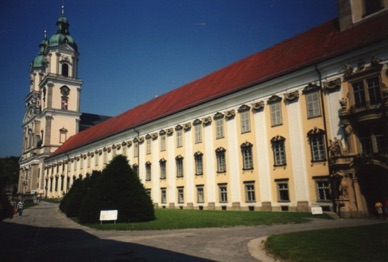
[(198, 158), (367, 93), (162, 163), (276, 114), (221, 163), (179, 138), (372, 6), (245, 121), (64, 103), (179, 166), (219, 128), (313, 104), (148, 171), (163, 142), (279, 152), (198, 133), (246, 151), (148, 145), (317, 144)]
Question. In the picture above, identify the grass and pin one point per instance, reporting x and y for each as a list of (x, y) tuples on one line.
[(364, 243), (180, 219)]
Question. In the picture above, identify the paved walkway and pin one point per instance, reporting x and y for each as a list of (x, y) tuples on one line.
[(45, 234)]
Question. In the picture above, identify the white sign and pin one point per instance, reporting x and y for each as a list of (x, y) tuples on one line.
[(316, 210), (106, 215)]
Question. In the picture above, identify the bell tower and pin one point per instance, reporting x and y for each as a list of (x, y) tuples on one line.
[(52, 106)]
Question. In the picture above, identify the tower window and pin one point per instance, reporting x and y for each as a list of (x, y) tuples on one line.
[(65, 70), (64, 103)]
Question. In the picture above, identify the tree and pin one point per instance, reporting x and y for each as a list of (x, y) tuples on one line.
[(120, 189)]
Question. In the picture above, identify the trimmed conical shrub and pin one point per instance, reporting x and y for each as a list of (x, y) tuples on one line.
[(120, 189)]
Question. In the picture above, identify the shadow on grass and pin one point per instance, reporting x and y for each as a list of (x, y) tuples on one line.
[(28, 243)]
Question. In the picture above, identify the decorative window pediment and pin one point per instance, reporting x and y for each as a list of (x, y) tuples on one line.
[(243, 108), (274, 99), (220, 149), (230, 114), (310, 88), (332, 85), (197, 122), (258, 106), (170, 131), (315, 131), (207, 120), (179, 157), (218, 115), (292, 96), (154, 136), (277, 138), (187, 126), (178, 127), (162, 160), (162, 132), (246, 144), (198, 153)]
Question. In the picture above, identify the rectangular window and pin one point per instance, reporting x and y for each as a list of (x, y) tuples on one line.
[(276, 114), (198, 158), (162, 169), (245, 122), (313, 105), (163, 143), (359, 94), (223, 193), (135, 149), (198, 133), (374, 91), (219, 128), (179, 138), (246, 152), (179, 167), (283, 194), (163, 195), (279, 153), (200, 194), (221, 164), (96, 155), (323, 189), (148, 171), (250, 192), (148, 146), (181, 196), (317, 145)]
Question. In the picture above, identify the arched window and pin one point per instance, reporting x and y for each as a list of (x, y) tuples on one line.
[(65, 70)]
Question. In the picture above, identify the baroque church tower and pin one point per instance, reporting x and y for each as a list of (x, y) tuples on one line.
[(52, 106)]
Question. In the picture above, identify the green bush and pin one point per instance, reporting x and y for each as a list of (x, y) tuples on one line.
[(120, 189)]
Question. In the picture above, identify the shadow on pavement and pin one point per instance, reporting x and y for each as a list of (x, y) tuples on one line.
[(28, 243)]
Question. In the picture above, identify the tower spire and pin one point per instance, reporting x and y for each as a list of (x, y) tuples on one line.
[(63, 9)]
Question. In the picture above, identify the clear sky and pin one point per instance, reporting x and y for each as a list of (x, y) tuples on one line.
[(134, 50)]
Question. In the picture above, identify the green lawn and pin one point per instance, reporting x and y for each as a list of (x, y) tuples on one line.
[(364, 243), (179, 219)]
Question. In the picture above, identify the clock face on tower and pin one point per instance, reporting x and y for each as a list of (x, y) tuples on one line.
[(65, 91)]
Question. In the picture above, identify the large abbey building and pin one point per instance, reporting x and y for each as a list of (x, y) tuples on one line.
[(303, 123)]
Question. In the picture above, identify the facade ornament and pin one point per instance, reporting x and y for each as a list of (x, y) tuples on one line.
[(178, 127), (197, 122), (162, 132), (230, 114), (207, 120), (218, 115), (118, 147), (154, 136), (292, 96), (170, 131), (129, 143), (141, 139), (243, 108), (187, 126), (258, 106), (335, 148), (344, 103), (332, 85), (375, 61), (348, 70)]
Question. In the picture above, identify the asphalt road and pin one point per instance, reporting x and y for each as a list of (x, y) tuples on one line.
[(45, 234)]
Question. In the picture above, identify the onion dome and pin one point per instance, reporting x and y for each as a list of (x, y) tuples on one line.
[(39, 60), (62, 35)]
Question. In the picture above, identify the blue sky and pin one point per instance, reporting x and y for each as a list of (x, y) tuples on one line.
[(134, 50)]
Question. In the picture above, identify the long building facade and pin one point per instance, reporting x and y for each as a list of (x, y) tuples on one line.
[(301, 124)]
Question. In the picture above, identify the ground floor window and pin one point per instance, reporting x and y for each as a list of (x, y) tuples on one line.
[(322, 189), (283, 194), (223, 193), (163, 195), (181, 195), (250, 192), (200, 194)]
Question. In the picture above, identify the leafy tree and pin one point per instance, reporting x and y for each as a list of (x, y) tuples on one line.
[(9, 170), (120, 189)]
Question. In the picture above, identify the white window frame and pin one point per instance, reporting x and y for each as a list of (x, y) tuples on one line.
[(313, 104), (198, 133), (223, 193), (245, 121), (276, 114), (219, 128), (250, 195), (200, 194)]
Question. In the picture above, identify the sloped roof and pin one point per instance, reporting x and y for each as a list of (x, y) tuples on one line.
[(88, 120), (318, 44)]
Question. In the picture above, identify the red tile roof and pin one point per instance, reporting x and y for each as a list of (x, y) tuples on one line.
[(314, 46)]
